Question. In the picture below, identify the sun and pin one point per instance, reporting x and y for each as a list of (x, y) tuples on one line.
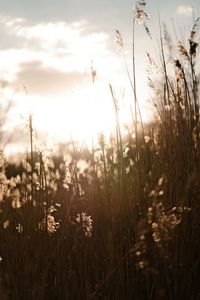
[(81, 114)]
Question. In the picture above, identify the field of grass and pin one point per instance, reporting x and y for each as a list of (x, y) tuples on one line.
[(121, 221)]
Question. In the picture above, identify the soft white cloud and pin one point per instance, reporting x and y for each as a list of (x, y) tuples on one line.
[(184, 10), (47, 81), (65, 47)]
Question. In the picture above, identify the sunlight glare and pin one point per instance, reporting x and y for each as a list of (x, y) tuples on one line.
[(81, 114)]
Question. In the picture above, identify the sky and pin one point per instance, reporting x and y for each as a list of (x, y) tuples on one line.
[(47, 48)]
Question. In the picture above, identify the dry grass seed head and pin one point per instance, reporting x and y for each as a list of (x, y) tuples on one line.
[(182, 50), (194, 30), (119, 40), (141, 16)]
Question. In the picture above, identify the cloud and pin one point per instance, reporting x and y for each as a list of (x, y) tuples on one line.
[(184, 10), (42, 81), (8, 28), (50, 58), (102, 13), (67, 47)]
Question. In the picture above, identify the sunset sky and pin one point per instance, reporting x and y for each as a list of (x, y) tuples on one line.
[(46, 51)]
